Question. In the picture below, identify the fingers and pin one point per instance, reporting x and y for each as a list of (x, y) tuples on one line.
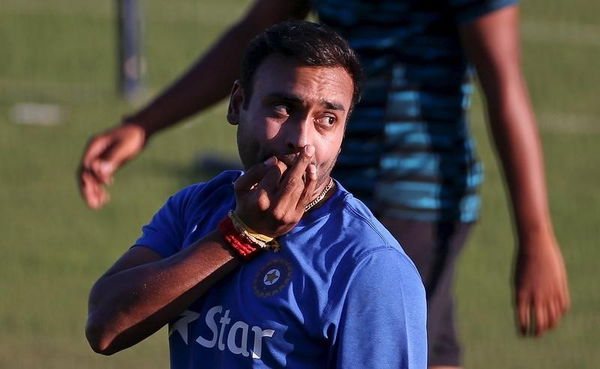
[(524, 314), (541, 319), (292, 181), (92, 190), (554, 314), (298, 170), (106, 152), (293, 184), (254, 175), (549, 312), (94, 150), (542, 294), (92, 175), (103, 170), (270, 182), (269, 185), (115, 154), (121, 149), (537, 315), (270, 197), (309, 188), (91, 159), (103, 156)]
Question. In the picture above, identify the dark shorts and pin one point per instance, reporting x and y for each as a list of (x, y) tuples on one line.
[(434, 248)]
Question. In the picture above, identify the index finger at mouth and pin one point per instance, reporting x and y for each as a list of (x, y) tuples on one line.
[(295, 173)]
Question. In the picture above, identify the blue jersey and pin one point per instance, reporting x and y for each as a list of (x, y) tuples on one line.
[(407, 151), (341, 293)]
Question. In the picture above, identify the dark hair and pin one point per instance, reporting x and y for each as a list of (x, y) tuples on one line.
[(309, 43)]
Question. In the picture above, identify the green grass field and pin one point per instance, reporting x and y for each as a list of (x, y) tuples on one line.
[(53, 248)]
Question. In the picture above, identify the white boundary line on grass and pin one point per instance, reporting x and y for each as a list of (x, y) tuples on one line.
[(559, 122), (72, 91), (568, 123), (571, 33)]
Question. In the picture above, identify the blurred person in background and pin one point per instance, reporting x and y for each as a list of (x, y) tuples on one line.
[(408, 153)]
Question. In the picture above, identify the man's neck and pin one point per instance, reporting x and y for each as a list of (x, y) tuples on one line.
[(325, 193)]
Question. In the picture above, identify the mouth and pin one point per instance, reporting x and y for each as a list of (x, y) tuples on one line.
[(288, 159)]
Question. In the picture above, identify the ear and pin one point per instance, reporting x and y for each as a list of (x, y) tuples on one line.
[(236, 102)]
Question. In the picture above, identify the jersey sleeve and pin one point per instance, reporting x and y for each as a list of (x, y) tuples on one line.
[(466, 11), (383, 321), (165, 232)]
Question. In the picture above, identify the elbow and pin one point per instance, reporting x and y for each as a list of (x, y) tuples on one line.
[(99, 339)]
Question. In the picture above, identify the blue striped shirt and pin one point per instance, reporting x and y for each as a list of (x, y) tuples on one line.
[(408, 151)]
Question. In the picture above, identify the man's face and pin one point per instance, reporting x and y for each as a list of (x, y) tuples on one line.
[(292, 106)]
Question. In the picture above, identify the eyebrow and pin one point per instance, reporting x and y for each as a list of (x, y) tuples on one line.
[(332, 105)]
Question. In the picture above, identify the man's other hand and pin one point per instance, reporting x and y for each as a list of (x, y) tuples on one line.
[(541, 288), (104, 154)]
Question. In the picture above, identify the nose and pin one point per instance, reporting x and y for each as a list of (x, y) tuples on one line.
[(299, 133)]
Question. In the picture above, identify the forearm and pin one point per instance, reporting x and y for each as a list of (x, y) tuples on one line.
[(205, 83), (518, 144), (541, 288), (210, 79), (129, 305), (492, 43)]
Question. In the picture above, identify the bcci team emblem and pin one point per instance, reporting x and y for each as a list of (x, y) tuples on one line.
[(272, 278)]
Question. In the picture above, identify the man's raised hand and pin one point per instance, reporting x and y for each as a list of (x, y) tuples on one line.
[(104, 154), (271, 197)]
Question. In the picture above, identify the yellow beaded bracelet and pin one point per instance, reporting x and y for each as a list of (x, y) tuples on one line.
[(259, 239)]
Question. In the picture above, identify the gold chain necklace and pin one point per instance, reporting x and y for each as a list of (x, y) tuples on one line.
[(311, 204)]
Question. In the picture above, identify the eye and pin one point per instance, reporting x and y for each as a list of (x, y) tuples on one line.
[(326, 120), (282, 109)]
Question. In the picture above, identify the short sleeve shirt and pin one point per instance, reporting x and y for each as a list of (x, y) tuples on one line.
[(340, 293), (408, 152)]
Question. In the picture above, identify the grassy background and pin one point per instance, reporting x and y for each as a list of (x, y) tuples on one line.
[(53, 248)]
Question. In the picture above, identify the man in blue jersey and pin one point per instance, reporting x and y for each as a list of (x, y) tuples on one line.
[(279, 266), (408, 153)]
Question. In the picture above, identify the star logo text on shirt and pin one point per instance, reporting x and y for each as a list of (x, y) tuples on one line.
[(181, 325)]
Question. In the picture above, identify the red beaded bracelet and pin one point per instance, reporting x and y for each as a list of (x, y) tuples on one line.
[(234, 238)]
